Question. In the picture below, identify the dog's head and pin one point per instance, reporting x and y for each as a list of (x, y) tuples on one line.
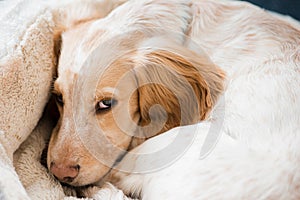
[(114, 92)]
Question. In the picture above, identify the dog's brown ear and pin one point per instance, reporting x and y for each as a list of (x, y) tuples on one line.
[(176, 87), (57, 42)]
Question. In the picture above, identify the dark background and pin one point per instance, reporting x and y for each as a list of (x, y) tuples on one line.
[(286, 7)]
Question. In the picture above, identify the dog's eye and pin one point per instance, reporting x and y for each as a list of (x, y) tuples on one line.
[(59, 99), (105, 104)]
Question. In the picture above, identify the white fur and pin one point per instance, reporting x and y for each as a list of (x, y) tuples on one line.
[(257, 155)]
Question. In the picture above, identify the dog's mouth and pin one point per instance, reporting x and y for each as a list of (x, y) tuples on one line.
[(82, 180), (76, 191)]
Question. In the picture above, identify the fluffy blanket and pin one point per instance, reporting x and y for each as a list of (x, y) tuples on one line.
[(26, 71), (27, 68)]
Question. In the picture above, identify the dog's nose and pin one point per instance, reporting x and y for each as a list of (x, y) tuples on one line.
[(64, 173)]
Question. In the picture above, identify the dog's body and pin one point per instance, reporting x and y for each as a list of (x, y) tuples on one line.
[(257, 117)]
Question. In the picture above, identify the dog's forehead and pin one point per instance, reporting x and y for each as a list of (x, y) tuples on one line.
[(85, 65), (94, 39), (77, 45)]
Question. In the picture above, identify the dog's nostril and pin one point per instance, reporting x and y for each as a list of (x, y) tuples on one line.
[(77, 167), (68, 179), (64, 173), (52, 164)]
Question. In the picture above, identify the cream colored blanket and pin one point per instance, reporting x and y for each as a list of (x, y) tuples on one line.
[(27, 68)]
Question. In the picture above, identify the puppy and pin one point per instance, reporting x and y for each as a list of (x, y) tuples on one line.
[(142, 71), (115, 90)]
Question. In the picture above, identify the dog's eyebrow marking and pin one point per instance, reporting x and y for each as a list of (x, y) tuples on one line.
[(111, 90)]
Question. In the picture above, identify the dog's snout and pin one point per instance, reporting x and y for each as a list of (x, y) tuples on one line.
[(65, 173)]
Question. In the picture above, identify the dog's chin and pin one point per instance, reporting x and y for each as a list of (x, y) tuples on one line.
[(79, 183)]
